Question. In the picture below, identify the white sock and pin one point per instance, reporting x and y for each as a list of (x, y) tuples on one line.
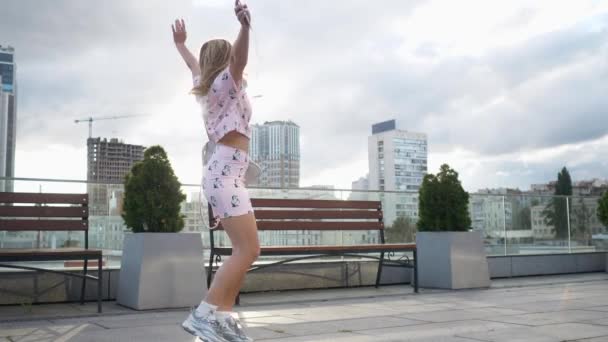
[(223, 314), (206, 307)]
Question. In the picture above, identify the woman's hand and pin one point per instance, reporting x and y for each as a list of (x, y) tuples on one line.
[(242, 13), (179, 37), (179, 31)]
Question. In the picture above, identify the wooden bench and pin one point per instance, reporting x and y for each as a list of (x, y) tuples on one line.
[(321, 215), (36, 215)]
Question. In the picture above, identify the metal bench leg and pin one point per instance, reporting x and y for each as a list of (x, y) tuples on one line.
[(238, 299), (84, 280), (210, 274), (415, 271), (99, 283), (379, 274)]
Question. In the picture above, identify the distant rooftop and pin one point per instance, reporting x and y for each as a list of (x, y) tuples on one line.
[(384, 126)]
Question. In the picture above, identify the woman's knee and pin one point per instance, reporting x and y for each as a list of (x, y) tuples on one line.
[(249, 252), (253, 252), (256, 252)]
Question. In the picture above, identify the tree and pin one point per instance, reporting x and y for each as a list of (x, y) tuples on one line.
[(153, 195), (582, 215), (556, 212), (402, 230), (602, 210), (443, 203), (523, 220)]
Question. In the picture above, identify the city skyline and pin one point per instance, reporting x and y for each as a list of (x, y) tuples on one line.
[(275, 147), (8, 115), (397, 162), (507, 97)]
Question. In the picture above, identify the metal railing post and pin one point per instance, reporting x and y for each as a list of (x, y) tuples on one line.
[(504, 222), (568, 216)]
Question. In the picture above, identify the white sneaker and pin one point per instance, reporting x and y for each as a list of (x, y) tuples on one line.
[(204, 325), (232, 330)]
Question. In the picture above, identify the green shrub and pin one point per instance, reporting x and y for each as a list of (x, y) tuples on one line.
[(153, 195)]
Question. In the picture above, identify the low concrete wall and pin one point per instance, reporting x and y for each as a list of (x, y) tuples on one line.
[(19, 287), (312, 275), (531, 265), (27, 287)]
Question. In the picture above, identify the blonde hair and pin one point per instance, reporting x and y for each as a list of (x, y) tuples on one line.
[(213, 59)]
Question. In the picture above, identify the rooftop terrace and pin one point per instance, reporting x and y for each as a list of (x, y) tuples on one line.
[(553, 308)]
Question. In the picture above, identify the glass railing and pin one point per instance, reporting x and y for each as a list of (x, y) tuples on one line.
[(535, 224), (510, 224)]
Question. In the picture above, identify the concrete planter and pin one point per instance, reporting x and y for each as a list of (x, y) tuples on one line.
[(452, 260), (161, 270)]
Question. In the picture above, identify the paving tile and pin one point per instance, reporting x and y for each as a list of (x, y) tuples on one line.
[(332, 313), (547, 306), (595, 339), (596, 308), (435, 339), (545, 318), (264, 333), (339, 337), (148, 334), (603, 321), (265, 321), (573, 331), (308, 328), (459, 315), (54, 333), (515, 334), (141, 322), (374, 323), (21, 328), (397, 310), (435, 330)]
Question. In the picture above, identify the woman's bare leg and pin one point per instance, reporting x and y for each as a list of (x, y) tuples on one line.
[(243, 234)]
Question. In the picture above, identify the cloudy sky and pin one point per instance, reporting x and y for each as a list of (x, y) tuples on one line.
[(508, 92)]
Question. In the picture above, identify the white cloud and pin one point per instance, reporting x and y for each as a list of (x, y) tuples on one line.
[(508, 92)]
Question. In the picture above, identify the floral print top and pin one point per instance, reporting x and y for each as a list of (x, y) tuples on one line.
[(226, 107)]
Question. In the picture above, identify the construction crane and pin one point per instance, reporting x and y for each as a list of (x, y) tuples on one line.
[(91, 119)]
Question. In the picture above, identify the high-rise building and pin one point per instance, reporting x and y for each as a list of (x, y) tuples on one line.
[(275, 146), (360, 188), (108, 162), (397, 162), (8, 115)]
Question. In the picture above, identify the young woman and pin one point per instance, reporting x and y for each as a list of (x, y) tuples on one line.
[(221, 90)]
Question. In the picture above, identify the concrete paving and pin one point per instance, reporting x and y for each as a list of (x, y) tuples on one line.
[(531, 309)]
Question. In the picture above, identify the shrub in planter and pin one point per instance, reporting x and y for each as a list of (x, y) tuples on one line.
[(159, 267), (450, 255), (443, 203), (153, 195)]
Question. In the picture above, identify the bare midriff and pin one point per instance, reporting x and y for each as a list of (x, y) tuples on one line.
[(236, 140)]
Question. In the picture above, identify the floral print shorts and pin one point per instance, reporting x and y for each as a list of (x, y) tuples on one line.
[(223, 182)]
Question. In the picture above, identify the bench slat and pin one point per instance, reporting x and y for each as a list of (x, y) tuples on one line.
[(29, 211), (314, 204), (43, 225), (33, 197), (317, 214), (308, 225), (270, 250), (47, 252)]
